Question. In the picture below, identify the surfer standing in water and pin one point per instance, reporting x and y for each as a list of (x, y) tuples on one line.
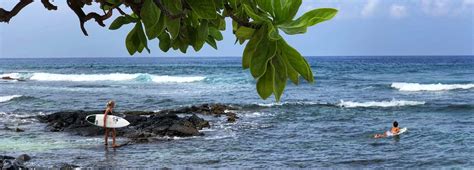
[(395, 130), (108, 111)]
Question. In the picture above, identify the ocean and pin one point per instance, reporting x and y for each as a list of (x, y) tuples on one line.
[(329, 123)]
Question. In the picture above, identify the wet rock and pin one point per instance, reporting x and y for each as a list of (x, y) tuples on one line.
[(200, 123), (65, 166), (231, 117), (182, 130), (10, 163), (216, 110), (143, 125), (13, 129)]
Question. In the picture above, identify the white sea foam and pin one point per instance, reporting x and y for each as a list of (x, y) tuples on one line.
[(430, 87), (104, 77), (287, 103), (254, 114), (392, 103), (8, 98)]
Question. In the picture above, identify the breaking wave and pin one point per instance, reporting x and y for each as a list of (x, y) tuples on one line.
[(392, 103), (140, 77), (430, 87), (8, 98)]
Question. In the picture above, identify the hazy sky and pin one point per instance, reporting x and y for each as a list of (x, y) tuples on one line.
[(362, 27)]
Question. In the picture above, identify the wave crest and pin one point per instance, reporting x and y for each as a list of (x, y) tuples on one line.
[(392, 103), (140, 77), (8, 98), (430, 87)]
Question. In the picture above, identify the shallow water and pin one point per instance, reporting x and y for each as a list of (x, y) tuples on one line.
[(326, 124)]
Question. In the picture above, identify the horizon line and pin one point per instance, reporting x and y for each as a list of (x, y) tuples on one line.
[(456, 55)]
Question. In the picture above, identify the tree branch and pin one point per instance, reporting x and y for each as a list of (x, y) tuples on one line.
[(48, 5), (5, 16), (76, 6), (240, 21)]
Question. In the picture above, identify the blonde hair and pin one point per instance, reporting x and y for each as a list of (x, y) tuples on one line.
[(110, 103)]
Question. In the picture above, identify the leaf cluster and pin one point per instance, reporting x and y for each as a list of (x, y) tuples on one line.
[(178, 24)]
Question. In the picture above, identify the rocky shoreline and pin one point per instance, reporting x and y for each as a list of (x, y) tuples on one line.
[(144, 126)]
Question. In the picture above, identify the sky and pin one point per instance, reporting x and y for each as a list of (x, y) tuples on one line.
[(361, 28)]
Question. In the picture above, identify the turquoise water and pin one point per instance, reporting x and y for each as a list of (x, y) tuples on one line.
[(326, 124)]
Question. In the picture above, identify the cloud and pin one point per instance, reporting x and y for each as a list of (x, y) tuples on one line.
[(369, 8), (468, 3), (436, 7), (398, 11)]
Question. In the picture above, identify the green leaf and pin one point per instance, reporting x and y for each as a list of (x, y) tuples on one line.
[(132, 41), (119, 22), (250, 12), (266, 5), (292, 73), (273, 32), (174, 6), (215, 33), (165, 42), (265, 51), (160, 26), (199, 38), (219, 4), (203, 8), (141, 35), (296, 60), (292, 6), (310, 18), (244, 32), (251, 47), (113, 2), (279, 81), (173, 26), (150, 15), (265, 83), (183, 47), (233, 3), (285, 10), (212, 42)]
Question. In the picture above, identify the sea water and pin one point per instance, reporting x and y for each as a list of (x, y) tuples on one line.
[(329, 123)]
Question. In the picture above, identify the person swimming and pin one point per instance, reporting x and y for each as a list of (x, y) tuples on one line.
[(393, 131)]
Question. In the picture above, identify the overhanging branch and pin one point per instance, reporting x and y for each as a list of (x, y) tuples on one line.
[(76, 6), (5, 15), (48, 5)]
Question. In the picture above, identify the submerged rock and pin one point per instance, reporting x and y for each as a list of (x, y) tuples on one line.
[(143, 125), (13, 129), (66, 166), (8, 162)]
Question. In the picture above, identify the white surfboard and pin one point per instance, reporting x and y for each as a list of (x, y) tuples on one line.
[(402, 130), (112, 121)]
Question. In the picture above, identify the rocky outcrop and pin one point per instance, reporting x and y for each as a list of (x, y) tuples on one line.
[(216, 110), (11, 163), (143, 125)]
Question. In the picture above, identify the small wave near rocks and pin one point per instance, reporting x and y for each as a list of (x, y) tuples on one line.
[(347, 104), (392, 103), (415, 87)]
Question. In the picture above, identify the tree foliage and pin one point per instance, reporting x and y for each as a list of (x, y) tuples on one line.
[(180, 24)]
